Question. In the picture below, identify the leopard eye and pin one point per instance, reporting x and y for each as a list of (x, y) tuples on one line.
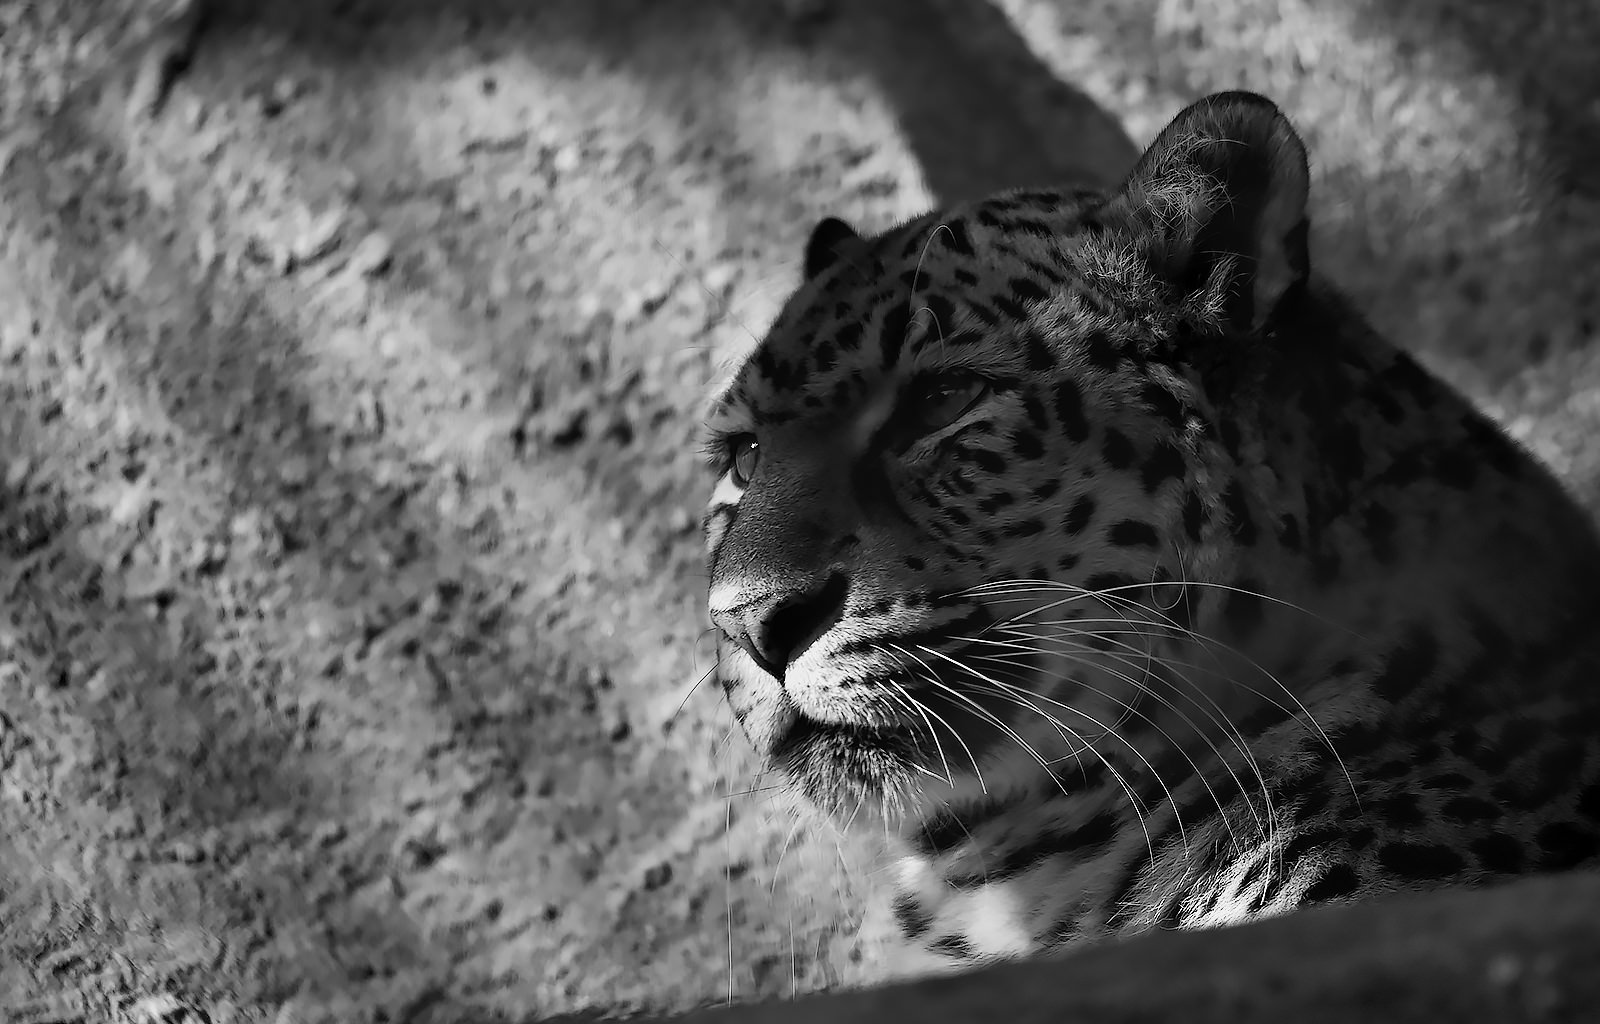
[(938, 401), (745, 451)]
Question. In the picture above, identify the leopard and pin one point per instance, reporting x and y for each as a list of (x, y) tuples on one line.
[(1113, 566)]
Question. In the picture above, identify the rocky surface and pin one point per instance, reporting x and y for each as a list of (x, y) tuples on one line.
[(1516, 954), (350, 362)]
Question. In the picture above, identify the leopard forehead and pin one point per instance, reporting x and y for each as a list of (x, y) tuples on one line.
[(992, 287)]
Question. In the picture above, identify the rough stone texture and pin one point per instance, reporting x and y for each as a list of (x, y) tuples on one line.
[(350, 616)]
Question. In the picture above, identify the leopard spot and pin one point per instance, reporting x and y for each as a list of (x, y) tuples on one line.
[(909, 916), (1339, 882), (1117, 449), (1421, 861), (1131, 533)]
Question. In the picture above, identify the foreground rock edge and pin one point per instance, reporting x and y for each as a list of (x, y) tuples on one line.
[(1520, 952)]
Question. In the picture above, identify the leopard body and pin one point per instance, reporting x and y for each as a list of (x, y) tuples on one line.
[(1104, 555)]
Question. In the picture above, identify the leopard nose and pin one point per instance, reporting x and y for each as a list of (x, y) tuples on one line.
[(776, 628)]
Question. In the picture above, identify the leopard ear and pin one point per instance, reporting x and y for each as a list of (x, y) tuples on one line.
[(1216, 208), (829, 239)]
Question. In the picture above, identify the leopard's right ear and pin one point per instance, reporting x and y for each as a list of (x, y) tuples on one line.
[(829, 239), (1216, 210)]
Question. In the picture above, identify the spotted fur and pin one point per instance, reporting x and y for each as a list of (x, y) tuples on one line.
[(1110, 558)]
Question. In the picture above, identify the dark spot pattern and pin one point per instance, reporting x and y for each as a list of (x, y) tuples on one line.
[(1117, 449), (1498, 853), (943, 313), (1421, 861), (1338, 882), (1240, 523), (1194, 516), (1024, 528), (1165, 463), (952, 947), (1085, 842), (952, 826), (1078, 515), (1103, 353), (1037, 418), (1107, 582), (995, 502), (1070, 412), (1312, 841), (1390, 770), (1466, 809), (1040, 358), (1400, 809), (955, 238), (1564, 845), (1059, 933), (909, 916), (988, 461), (1589, 803), (1409, 665), (1131, 533), (1164, 404)]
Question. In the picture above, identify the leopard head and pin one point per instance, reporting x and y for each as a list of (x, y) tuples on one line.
[(967, 483)]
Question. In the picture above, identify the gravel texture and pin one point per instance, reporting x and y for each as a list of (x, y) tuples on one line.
[(350, 363)]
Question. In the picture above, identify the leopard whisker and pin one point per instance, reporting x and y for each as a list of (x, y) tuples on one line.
[(1132, 711), (1024, 587), (949, 775), (1211, 643), (977, 770), (1177, 666), (1027, 747), (777, 865), (1141, 685), (900, 698), (739, 794), (1191, 692), (1023, 697), (983, 712), (1198, 698), (922, 258), (689, 694)]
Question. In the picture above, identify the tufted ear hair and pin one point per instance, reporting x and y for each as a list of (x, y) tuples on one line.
[(829, 239), (1216, 208)]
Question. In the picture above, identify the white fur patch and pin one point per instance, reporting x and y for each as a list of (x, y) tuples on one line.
[(726, 492), (995, 922)]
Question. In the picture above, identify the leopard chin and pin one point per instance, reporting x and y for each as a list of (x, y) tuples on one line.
[(896, 743), (851, 773)]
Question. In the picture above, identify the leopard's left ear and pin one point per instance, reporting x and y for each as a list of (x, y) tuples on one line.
[(828, 242), (1216, 208)]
